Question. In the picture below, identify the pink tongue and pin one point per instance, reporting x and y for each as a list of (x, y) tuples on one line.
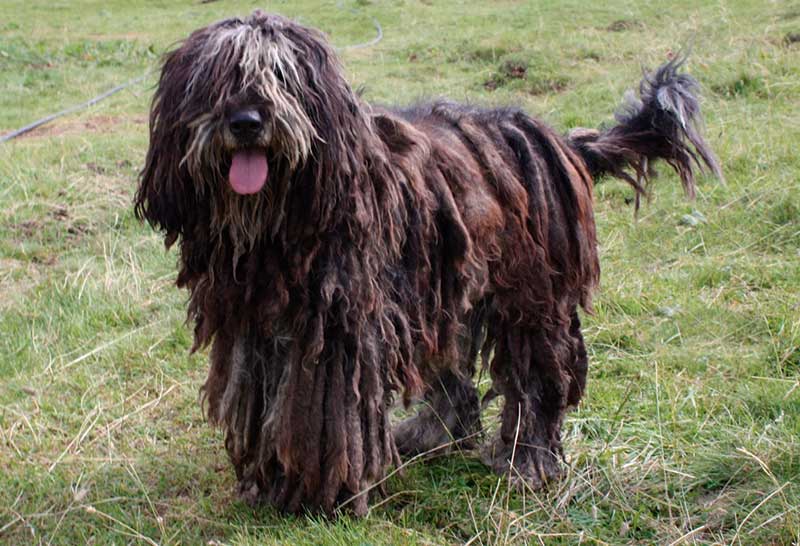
[(248, 172)]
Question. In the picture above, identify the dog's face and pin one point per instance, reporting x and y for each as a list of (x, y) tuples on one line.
[(241, 106), (243, 87)]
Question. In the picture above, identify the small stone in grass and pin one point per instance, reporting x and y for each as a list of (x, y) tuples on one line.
[(693, 219), (667, 311)]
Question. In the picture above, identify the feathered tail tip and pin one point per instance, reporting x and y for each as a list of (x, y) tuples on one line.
[(664, 122)]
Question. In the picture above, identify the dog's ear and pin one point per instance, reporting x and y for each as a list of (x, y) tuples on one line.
[(165, 195)]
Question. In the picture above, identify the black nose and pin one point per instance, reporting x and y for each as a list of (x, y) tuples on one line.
[(245, 123)]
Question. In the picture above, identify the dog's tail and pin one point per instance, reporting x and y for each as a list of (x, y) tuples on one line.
[(664, 122)]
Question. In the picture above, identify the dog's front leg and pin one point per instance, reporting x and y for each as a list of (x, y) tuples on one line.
[(306, 420)]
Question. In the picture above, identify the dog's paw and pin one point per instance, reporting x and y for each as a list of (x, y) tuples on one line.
[(429, 433), (249, 492), (421, 434), (533, 468)]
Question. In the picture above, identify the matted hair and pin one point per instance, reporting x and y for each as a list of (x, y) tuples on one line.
[(389, 247)]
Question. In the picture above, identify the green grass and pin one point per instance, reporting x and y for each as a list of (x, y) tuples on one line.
[(690, 432)]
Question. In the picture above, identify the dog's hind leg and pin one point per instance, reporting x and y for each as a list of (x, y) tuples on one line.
[(541, 371), (450, 414), (578, 367), (450, 417)]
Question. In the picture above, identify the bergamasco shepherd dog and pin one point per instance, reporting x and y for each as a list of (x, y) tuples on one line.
[(340, 256)]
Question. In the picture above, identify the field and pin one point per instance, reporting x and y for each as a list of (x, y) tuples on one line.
[(690, 431)]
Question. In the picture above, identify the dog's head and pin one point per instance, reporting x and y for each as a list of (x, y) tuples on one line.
[(242, 107)]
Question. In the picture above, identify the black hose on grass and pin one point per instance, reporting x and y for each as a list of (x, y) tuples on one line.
[(71, 109), (378, 32), (378, 37), (91, 102)]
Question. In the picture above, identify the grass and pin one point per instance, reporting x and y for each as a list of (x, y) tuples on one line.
[(690, 432)]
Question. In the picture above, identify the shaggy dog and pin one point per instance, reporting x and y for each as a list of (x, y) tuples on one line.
[(339, 255)]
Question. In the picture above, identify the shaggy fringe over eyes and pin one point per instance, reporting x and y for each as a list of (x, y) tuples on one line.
[(246, 56), (388, 248)]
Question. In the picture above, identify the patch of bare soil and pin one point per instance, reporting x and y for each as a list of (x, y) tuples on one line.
[(621, 25), (94, 124), (41, 229)]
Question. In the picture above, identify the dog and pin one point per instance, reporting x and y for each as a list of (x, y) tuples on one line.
[(341, 255)]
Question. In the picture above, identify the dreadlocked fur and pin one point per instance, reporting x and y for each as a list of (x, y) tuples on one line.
[(387, 251)]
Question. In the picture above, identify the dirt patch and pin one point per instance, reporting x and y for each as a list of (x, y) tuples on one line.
[(509, 70), (527, 72), (57, 224), (75, 229), (622, 25), (27, 229), (515, 71), (518, 78), (59, 213), (95, 168), (94, 124)]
